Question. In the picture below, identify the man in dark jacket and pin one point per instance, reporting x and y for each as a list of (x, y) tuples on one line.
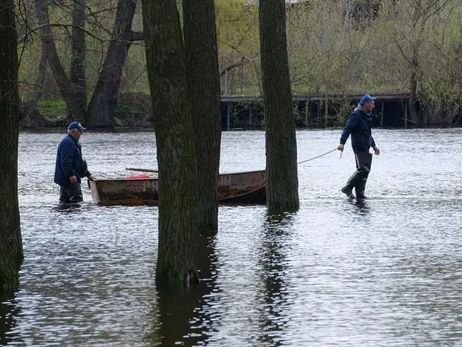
[(359, 126), (70, 166)]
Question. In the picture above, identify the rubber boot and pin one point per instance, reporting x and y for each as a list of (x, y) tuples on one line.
[(360, 189), (351, 183)]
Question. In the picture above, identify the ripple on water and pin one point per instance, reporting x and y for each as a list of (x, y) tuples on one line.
[(337, 273)]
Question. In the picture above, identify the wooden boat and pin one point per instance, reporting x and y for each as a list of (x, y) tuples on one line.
[(234, 188)]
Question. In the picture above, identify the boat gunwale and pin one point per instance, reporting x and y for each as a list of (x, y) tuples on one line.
[(152, 178)]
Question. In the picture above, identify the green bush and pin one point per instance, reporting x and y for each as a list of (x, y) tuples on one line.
[(52, 108)]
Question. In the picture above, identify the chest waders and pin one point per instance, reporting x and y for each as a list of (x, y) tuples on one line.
[(359, 178), (70, 194)]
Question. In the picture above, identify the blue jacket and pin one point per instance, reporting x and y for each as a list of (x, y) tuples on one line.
[(359, 126), (69, 161)]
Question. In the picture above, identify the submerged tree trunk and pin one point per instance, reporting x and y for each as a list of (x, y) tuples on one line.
[(176, 309), (281, 144), (11, 251), (176, 151), (103, 103), (204, 94)]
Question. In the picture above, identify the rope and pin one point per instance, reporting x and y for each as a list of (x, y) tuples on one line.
[(300, 162), (318, 156)]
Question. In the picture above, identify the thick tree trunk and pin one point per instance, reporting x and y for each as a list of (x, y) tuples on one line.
[(79, 51), (39, 83), (176, 151), (204, 94), (75, 108), (11, 251), (281, 144), (104, 100)]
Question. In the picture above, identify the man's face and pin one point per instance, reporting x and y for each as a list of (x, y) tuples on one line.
[(369, 106), (76, 133)]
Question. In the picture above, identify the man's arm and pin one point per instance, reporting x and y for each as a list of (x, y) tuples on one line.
[(85, 170), (372, 142), (349, 127), (67, 159), (374, 147)]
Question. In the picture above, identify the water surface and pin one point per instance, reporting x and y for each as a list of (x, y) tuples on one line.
[(337, 273)]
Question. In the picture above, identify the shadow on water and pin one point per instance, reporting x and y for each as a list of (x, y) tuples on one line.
[(273, 263), (185, 316), (8, 313)]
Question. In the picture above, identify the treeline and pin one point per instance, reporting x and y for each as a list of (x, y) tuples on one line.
[(88, 52)]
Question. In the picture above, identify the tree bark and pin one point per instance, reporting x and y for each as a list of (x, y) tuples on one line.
[(75, 108), (11, 251), (413, 98), (79, 51), (39, 83), (281, 144), (414, 61), (176, 151), (204, 94), (104, 100)]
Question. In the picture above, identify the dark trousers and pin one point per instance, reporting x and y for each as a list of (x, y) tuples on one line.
[(70, 193), (359, 178)]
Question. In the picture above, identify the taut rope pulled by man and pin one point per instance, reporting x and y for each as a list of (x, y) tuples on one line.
[(316, 157)]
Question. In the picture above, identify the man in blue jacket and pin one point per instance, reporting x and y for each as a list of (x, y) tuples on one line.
[(359, 126), (70, 166)]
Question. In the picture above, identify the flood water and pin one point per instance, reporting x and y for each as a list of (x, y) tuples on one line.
[(387, 272)]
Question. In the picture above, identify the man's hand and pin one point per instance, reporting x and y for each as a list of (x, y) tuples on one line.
[(73, 179), (341, 147), (91, 178), (376, 150)]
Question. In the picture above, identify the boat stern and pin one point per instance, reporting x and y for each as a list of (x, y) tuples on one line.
[(94, 191)]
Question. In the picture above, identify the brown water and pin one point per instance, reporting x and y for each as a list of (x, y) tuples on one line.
[(337, 273)]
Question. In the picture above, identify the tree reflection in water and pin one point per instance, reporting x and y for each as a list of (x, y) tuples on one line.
[(8, 313), (184, 319), (273, 265)]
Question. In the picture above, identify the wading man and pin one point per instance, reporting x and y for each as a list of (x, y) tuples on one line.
[(359, 126), (70, 166)]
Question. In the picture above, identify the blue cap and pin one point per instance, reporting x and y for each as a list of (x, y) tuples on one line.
[(366, 98), (76, 125)]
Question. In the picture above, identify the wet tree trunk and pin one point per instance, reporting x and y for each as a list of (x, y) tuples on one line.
[(79, 51), (176, 151), (11, 251), (103, 103), (75, 108), (281, 144), (204, 93)]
